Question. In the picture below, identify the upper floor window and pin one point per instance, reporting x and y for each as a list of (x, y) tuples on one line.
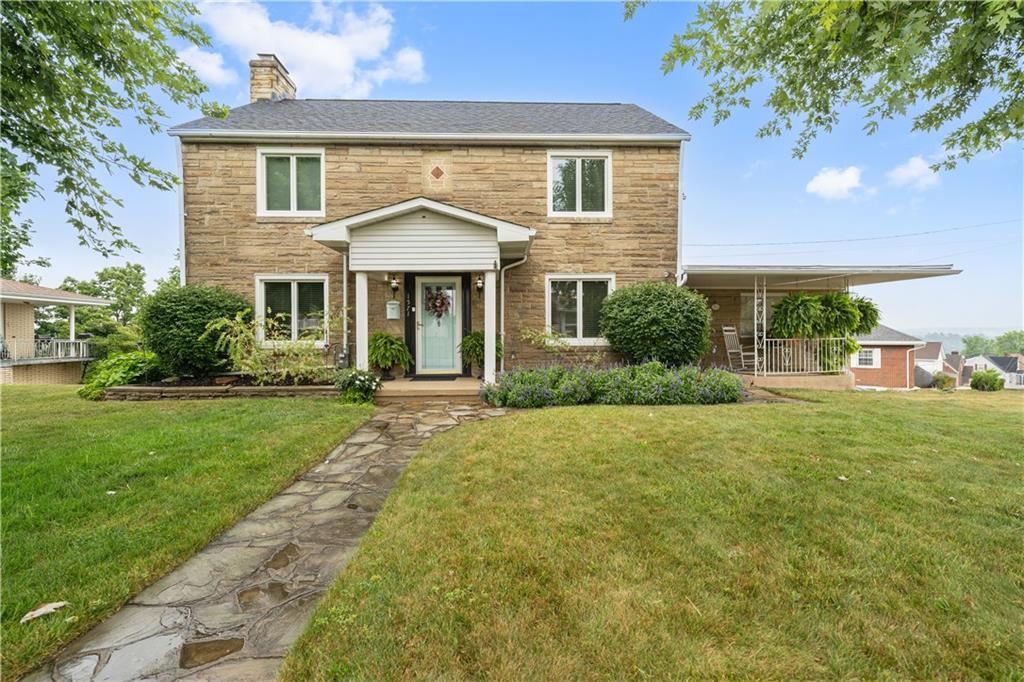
[(292, 307), (289, 182), (574, 306), (580, 183)]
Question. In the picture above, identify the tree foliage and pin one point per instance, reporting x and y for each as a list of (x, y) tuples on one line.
[(71, 71), (934, 61), (124, 286), (1007, 343)]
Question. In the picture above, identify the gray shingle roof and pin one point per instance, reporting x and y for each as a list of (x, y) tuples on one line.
[(888, 335), (930, 351), (412, 117)]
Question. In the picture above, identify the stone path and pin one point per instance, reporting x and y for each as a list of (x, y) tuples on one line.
[(233, 610)]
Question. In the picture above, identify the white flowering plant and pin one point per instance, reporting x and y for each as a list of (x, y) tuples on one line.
[(356, 385)]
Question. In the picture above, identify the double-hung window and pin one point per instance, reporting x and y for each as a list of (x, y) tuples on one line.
[(867, 357), (290, 182), (292, 308), (580, 184), (573, 304)]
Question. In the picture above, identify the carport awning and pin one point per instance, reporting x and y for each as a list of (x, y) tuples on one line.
[(807, 276)]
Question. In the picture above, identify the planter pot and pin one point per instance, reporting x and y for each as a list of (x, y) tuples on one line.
[(386, 375)]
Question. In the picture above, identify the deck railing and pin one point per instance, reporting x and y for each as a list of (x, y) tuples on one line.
[(55, 349), (805, 356)]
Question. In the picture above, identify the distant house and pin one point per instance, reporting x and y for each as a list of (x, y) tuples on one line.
[(886, 358), (1010, 367), (26, 359), (930, 357)]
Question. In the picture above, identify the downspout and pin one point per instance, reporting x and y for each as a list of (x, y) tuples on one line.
[(181, 215), (680, 275), (344, 309), (910, 367), (501, 304)]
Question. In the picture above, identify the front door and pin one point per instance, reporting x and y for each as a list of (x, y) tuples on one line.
[(438, 325)]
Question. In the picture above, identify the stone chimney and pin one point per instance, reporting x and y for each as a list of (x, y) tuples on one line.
[(268, 79)]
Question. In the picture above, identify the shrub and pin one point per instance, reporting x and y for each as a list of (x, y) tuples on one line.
[(987, 380), (387, 350), (356, 385), (649, 384), (173, 320), (287, 362), (472, 349), (120, 369), (657, 321), (123, 339), (943, 382)]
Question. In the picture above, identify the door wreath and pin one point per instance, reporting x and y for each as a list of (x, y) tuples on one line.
[(438, 302)]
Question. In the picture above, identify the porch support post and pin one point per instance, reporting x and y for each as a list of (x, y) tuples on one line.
[(71, 321), (760, 317), (490, 325), (362, 323)]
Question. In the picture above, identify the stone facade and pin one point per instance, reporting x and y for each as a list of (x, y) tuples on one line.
[(226, 244), (268, 79)]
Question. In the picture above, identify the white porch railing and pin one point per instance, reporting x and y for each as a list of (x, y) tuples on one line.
[(1014, 380), (55, 349), (805, 356)]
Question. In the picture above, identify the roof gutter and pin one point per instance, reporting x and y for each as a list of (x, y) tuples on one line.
[(314, 136)]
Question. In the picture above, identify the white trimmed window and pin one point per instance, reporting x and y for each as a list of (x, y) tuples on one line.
[(573, 305), (867, 358), (289, 182), (580, 183), (292, 308)]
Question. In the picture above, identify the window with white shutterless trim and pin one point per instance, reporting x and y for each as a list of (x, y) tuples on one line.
[(292, 308), (290, 182), (867, 358), (572, 306), (580, 183)]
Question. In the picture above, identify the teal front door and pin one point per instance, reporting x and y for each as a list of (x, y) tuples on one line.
[(438, 325)]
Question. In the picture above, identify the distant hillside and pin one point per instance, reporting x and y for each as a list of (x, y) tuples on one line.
[(950, 342)]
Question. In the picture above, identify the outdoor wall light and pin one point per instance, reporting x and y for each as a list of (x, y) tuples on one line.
[(394, 286), (715, 306), (479, 283)]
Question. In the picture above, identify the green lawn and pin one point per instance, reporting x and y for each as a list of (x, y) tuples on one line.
[(707, 542), (181, 471)]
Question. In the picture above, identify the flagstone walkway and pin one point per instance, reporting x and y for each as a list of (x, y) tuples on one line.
[(233, 610)]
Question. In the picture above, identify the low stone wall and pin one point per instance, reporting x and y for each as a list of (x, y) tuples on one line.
[(207, 392)]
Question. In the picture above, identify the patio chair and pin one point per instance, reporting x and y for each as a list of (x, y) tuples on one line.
[(738, 357)]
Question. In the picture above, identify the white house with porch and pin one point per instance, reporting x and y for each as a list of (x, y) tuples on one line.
[(27, 359)]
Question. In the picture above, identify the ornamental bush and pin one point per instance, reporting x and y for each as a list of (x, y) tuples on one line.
[(987, 380), (943, 381), (649, 384), (173, 319), (356, 385), (657, 321), (118, 370)]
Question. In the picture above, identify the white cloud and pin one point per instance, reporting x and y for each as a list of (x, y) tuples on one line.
[(209, 66), (835, 183), (916, 172), (341, 54)]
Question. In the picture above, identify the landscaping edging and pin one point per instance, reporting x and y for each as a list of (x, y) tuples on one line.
[(206, 392)]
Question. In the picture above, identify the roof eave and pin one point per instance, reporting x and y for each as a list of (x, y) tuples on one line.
[(213, 134), (52, 300)]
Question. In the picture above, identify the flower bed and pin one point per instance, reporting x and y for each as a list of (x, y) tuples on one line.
[(648, 384)]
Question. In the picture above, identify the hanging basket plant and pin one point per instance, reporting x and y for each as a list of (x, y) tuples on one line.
[(439, 303)]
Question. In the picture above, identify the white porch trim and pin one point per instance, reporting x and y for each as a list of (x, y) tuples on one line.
[(362, 323), (490, 326)]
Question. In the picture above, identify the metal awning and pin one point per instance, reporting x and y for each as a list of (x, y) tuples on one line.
[(820, 277)]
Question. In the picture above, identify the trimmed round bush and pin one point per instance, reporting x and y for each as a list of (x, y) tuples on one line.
[(987, 380), (173, 319), (657, 321)]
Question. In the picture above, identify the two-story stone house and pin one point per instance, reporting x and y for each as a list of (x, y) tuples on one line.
[(431, 219)]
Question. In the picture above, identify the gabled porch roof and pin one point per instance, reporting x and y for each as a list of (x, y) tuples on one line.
[(822, 277), (513, 240)]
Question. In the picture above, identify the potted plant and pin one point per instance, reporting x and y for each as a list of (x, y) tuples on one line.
[(386, 351), (472, 349)]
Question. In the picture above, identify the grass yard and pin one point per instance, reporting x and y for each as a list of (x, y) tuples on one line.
[(181, 471), (707, 542)]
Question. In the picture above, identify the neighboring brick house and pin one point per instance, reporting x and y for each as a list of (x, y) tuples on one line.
[(431, 219), (26, 359), (885, 358)]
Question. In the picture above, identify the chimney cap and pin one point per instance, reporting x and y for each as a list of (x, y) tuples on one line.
[(270, 56)]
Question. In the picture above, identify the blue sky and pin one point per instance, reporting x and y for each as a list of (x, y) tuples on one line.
[(740, 188)]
